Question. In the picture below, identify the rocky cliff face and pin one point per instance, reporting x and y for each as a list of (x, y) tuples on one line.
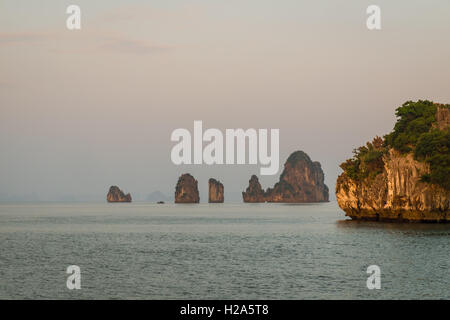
[(254, 192), (442, 118), (117, 195), (395, 194), (398, 192), (302, 180), (186, 190), (216, 194)]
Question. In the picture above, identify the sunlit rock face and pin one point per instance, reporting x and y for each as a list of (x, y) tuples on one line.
[(186, 190), (216, 191), (117, 195), (395, 194)]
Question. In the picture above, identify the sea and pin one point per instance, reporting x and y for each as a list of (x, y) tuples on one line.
[(216, 251)]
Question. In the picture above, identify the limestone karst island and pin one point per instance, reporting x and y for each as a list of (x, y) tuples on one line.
[(117, 195), (302, 180), (186, 190), (404, 176), (216, 191)]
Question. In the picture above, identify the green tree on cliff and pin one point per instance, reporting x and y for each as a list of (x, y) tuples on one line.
[(367, 160), (413, 120), (414, 132)]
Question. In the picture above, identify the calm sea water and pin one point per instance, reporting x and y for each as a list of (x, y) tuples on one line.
[(220, 251)]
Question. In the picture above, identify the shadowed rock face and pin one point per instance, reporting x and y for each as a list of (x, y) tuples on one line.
[(117, 195), (215, 191), (186, 190), (301, 181)]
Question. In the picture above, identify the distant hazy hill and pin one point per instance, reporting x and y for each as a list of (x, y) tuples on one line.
[(158, 196)]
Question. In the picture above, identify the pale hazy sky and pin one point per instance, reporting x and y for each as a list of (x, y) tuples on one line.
[(82, 110)]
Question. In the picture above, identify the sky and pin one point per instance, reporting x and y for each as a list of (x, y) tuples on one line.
[(85, 109)]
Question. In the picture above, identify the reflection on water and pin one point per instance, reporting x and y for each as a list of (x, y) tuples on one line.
[(226, 251), (422, 228)]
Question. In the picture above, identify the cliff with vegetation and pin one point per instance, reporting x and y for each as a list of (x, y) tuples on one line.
[(404, 176)]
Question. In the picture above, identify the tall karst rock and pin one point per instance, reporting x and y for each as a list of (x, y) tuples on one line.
[(117, 195), (186, 190), (254, 192), (302, 180), (216, 191)]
